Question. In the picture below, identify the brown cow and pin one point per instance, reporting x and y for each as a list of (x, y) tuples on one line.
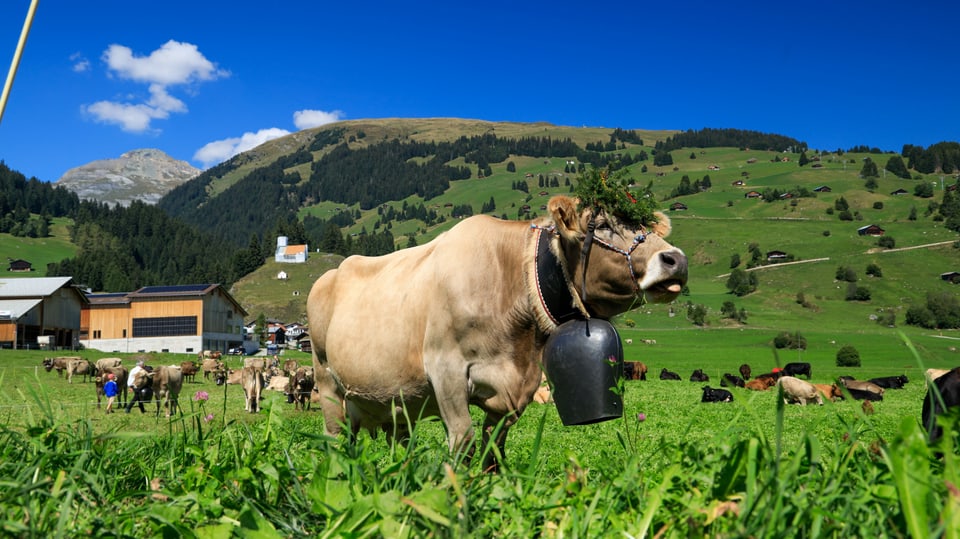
[(58, 363), (759, 384), (830, 391), (105, 363), (278, 383), (166, 382), (120, 376), (189, 370), (290, 367), (255, 362), (210, 366), (634, 370), (301, 385), (83, 367), (231, 377), (252, 380), (463, 319), (798, 391)]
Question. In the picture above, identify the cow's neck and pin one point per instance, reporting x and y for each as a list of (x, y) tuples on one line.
[(554, 290)]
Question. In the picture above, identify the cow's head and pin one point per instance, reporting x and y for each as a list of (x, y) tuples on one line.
[(626, 262)]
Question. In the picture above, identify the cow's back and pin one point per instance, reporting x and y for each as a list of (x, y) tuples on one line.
[(376, 321)]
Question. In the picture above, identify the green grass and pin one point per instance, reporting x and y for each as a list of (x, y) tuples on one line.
[(749, 468)]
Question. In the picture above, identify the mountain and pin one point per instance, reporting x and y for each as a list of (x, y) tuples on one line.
[(144, 175)]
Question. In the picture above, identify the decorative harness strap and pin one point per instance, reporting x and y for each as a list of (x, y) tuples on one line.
[(552, 287)]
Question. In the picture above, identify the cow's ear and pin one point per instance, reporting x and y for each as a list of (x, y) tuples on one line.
[(563, 209), (662, 227)]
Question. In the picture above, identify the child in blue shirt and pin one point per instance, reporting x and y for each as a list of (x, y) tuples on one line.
[(110, 391)]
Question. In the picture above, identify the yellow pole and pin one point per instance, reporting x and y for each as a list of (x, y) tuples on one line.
[(16, 56)]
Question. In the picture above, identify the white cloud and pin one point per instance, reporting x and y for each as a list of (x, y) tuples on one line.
[(130, 118), (219, 151), (80, 64), (173, 64), (305, 119)]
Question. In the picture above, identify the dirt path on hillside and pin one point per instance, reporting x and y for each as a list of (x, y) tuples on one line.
[(868, 252), (881, 250), (771, 266)]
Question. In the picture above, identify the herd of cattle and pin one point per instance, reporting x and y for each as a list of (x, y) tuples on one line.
[(164, 383), (796, 390)]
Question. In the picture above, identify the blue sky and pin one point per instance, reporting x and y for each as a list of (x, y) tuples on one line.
[(202, 80)]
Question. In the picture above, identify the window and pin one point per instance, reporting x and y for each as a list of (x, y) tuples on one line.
[(169, 326)]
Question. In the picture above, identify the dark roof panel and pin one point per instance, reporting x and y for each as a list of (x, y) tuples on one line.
[(174, 290)]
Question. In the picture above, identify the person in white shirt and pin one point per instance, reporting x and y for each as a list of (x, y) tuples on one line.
[(137, 395)]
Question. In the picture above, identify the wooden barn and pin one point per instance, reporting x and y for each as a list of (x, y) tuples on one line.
[(40, 310), (175, 318)]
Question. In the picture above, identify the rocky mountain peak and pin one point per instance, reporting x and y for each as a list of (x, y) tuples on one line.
[(145, 174)]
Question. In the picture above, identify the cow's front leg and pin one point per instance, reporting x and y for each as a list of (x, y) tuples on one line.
[(454, 404), (494, 430)]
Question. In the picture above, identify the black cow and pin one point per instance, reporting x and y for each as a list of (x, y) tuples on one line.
[(943, 393), (890, 382), (864, 395), (728, 380), (745, 371), (796, 369), (716, 395), (667, 375), (699, 376)]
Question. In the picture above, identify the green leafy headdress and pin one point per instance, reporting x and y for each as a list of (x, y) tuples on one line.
[(611, 192)]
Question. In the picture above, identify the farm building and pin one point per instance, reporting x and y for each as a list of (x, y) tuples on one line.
[(177, 318), (296, 254), (44, 310), (19, 265), (822, 189), (951, 277), (899, 192), (678, 206), (752, 194), (776, 256), (870, 230)]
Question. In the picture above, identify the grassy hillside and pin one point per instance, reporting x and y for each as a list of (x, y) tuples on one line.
[(38, 251), (261, 292)]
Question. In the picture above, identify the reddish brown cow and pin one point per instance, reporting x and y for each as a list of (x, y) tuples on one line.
[(189, 370), (759, 384), (462, 320), (830, 391)]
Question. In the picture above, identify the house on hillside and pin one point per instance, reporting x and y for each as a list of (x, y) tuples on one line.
[(822, 189), (43, 310), (295, 254), (951, 277), (752, 194), (776, 256), (870, 230), (678, 206), (899, 192), (738, 183), (19, 265), (184, 319)]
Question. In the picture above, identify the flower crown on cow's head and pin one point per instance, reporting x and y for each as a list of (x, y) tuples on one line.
[(611, 192)]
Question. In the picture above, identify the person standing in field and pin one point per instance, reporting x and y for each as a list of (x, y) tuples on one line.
[(110, 391), (131, 381)]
